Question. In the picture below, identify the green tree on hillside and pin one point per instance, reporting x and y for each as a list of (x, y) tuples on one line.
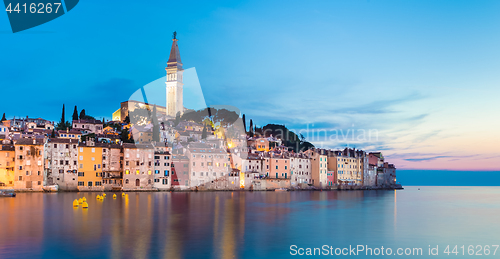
[(75, 114)]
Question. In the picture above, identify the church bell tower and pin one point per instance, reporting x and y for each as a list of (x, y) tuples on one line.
[(174, 80)]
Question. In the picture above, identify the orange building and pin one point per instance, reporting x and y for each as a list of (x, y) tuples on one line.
[(259, 144), (277, 167), (7, 163), (90, 168), (29, 169)]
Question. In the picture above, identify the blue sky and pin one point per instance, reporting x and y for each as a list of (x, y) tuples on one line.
[(423, 74)]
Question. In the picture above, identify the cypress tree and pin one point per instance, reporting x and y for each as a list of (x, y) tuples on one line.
[(3, 117), (244, 122), (82, 114), (75, 114), (62, 124), (53, 135), (204, 132), (177, 119), (251, 128)]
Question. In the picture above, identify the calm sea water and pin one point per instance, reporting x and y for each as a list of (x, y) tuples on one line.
[(247, 224)]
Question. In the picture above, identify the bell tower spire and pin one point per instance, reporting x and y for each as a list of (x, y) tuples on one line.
[(174, 80)]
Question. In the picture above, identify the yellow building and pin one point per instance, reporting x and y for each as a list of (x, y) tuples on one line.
[(7, 163), (90, 168), (319, 167)]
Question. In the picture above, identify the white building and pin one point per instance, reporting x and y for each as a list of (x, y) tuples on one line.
[(62, 163), (207, 164), (300, 168)]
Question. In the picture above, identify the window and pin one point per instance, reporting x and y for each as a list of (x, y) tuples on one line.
[(126, 181), (127, 171), (194, 174), (165, 172), (81, 174), (20, 178), (81, 166), (80, 183), (90, 184), (157, 171), (93, 150), (137, 172), (55, 145), (74, 163), (98, 183), (276, 167)]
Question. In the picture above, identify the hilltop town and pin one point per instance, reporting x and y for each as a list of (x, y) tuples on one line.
[(148, 147)]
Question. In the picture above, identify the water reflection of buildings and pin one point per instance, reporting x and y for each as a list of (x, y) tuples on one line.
[(22, 224), (185, 225)]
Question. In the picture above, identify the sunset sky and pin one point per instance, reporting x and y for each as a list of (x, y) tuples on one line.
[(423, 75)]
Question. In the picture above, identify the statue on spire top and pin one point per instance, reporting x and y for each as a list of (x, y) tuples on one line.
[(175, 35)]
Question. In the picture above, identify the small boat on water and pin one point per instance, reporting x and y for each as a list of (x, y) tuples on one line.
[(51, 188), (7, 193), (281, 190)]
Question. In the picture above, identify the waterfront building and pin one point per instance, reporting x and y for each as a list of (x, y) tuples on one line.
[(61, 163), (7, 164), (90, 167), (319, 167), (138, 167), (29, 164), (207, 164), (300, 169), (180, 171), (370, 176), (348, 165), (386, 175), (112, 166), (162, 167), (277, 166)]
